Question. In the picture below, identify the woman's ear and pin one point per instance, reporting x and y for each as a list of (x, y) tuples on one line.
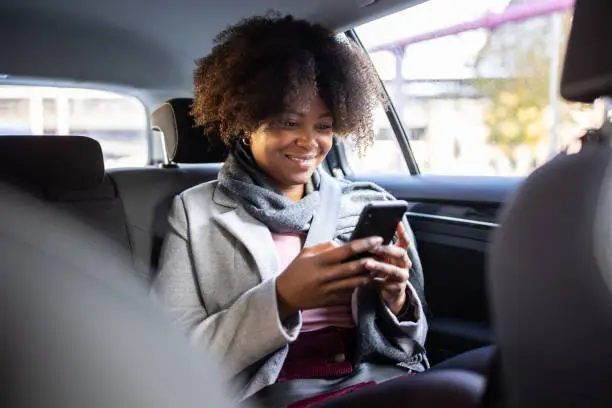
[(246, 139)]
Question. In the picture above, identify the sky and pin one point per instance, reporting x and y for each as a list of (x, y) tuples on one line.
[(429, 16), (443, 58)]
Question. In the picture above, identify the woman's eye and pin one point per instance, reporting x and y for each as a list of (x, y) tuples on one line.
[(324, 127), (289, 124)]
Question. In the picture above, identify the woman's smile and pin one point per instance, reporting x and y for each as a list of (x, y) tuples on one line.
[(304, 161), (290, 147)]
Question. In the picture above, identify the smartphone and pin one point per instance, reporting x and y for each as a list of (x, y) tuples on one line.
[(379, 218)]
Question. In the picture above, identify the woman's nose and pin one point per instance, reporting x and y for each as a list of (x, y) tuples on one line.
[(306, 138)]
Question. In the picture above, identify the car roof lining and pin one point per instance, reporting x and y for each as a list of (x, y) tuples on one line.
[(147, 45)]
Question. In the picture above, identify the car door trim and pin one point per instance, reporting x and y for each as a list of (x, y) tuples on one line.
[(452, 219)]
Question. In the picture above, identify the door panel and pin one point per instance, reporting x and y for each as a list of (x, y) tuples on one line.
[(453, 219)]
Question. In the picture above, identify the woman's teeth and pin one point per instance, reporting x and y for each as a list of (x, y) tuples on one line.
[(301, 159)]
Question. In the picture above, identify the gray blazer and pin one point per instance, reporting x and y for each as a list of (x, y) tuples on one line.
[(217, 279)]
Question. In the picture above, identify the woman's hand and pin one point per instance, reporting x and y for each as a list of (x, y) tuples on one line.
[(317, 276), (390, 270)]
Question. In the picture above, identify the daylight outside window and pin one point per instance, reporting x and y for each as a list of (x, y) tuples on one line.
[(118, 122), (476, 85)]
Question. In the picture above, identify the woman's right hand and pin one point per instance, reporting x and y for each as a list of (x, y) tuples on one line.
[(317, 277)]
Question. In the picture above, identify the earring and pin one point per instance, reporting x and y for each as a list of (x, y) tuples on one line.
[(246, 141)]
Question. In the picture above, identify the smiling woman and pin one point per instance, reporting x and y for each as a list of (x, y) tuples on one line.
[(274, 296), (325, 86), (254, 76)]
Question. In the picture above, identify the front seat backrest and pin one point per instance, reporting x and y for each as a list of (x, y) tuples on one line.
[(78, 331), (551, 260), (551, 281)]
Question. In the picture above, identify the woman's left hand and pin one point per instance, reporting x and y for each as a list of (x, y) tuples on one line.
[(390, 270)]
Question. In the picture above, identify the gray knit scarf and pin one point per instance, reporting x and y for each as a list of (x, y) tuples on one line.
[(241, 176), (255, 191), (253, 188)]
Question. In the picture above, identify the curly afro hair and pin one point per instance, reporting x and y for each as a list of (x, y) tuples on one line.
[(264, 65)]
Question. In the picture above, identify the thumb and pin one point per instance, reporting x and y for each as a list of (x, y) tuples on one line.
[(403, 237)]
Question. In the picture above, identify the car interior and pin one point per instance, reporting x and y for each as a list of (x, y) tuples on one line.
[(147, 49)]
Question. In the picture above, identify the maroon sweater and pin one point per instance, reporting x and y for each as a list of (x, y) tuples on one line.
[(326, 353)]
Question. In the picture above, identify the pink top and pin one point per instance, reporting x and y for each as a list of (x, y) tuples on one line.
[(288, 246)]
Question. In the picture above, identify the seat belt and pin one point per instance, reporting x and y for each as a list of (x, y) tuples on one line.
[(324, 221)]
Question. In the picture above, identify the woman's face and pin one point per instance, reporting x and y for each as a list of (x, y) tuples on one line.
[(290, 147)]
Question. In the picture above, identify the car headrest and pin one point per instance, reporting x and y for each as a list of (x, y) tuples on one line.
[(52, 163), (551, 279), (184, 141), (587, 72)]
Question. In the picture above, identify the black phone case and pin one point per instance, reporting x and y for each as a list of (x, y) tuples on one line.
[(379, 218)]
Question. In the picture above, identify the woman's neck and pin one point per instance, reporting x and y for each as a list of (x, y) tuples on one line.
[(295, 193)]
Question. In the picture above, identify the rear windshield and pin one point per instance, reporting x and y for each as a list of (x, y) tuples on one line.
[(118, 122)]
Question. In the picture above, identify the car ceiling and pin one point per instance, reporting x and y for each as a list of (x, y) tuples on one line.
[(149, 45)]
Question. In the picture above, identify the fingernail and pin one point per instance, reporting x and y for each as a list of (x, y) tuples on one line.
[(374, 241)]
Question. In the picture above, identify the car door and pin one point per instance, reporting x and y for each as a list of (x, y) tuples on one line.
[(453, 219), (457, 139)]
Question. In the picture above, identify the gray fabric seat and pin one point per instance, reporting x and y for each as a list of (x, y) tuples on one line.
[(130, 206), (147, 195), (551, 261), (78, 330), (191, 159), (68, 173), (551, 272)]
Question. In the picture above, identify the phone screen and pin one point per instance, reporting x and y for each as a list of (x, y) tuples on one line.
[(379, 218)]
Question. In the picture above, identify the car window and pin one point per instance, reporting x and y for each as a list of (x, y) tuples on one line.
[(477, 90), (118, 122), (384, 156)]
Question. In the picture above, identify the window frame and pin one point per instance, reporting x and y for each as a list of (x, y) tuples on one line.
[(396, 125)]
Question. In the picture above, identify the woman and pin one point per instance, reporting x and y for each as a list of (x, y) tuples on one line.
[(234, 270)]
